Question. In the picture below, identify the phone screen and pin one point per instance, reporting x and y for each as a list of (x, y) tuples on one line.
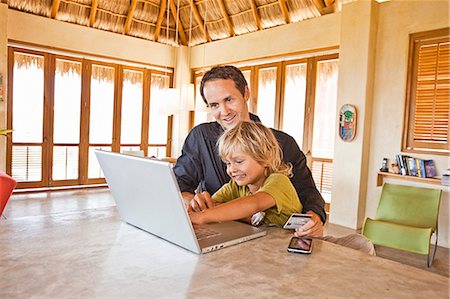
[(301, 245)]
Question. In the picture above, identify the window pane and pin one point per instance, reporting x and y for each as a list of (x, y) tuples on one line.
[(102, 104), (27, 163), (157, 151), (201, 111), (157, 133), (322, 172), (28, 89), (65, 163), (67, 102), (294, 101), (131, 107), (247, 75), (94, 170), (325, 109), (267, 88)]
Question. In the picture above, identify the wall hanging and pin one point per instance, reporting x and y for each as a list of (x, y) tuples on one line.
[(347, 122)]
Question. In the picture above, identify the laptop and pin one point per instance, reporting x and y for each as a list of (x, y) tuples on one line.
[(147, 196)]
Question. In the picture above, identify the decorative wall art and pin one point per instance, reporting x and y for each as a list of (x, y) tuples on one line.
[(347, 122)]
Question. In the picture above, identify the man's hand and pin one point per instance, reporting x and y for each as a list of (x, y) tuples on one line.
[(312, 228), (200, 202)]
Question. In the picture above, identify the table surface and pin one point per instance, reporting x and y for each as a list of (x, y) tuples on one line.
[(93, 254)]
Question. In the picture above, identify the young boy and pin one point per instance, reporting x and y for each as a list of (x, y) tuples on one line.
[(259, 179)]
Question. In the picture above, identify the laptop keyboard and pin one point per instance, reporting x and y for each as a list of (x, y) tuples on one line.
[(205, 233)]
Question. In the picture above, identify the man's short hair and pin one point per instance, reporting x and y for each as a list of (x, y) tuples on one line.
[(224, 72)]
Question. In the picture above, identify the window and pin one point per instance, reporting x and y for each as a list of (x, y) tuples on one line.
[(428, 95), (63, 108)]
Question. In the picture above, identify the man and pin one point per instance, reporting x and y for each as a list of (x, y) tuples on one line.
[(225, 92)]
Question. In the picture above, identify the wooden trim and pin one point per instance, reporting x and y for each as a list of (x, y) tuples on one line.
[(263, 59), (382, 175), (117, 112), (146, 110), (162, 9), (169, 136), (48, 117), (130, 14), (83, 155), (199, 20), (173, 10), (9, 110), (94, 6), (408, 143), (256, 14), (224, 11), (83, 55), (285, 11), (55, 7), (278, 100), (308, 127)]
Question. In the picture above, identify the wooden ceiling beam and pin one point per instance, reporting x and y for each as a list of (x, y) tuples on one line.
[(285, 11), (94, 6), (181, 34), (130, 16), (55, 7), (320, 5), (162, 9), (256, 14), (199, 21), (226, 17)]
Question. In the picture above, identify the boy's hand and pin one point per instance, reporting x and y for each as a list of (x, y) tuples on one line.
[(200, 202), (196, 217), (312, 228)]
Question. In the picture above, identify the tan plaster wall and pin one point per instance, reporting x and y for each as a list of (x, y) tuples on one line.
[(397, 19), (308, 35), (47, 32)]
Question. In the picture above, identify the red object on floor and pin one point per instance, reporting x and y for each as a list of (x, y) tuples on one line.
[(7, 185)]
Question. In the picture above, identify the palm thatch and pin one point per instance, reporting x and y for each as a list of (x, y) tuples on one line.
[(199, 21)]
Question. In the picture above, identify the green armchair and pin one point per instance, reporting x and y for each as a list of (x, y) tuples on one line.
[(406, 219)]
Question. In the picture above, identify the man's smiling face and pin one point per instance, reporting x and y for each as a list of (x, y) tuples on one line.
[(226, 103)]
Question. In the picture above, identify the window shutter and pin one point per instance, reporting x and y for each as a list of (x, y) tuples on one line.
[(432, 92)]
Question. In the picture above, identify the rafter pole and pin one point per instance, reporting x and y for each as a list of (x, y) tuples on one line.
[(199, 20), (162, 9), (285, 11), (94, 6), (130, 16), (55, 7), (173, 9), (226, 17), (256, 14), (320, 5)]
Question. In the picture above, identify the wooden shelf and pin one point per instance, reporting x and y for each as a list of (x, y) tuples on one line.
[(382, 175)]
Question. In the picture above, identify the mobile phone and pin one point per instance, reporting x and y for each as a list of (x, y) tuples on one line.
[(300, 245), (297, 220)]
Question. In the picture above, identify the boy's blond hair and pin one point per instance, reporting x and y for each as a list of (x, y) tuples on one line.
[(258, 142)]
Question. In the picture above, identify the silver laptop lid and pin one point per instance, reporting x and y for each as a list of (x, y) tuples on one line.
[(141, 188)]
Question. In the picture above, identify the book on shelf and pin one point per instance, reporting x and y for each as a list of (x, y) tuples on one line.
[(430, 168), (415, 167)]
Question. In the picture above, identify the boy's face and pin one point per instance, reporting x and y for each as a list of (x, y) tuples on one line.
[(226, 103), (244, 170)]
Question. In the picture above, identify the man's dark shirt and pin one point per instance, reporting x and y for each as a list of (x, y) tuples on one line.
[(200, 165)]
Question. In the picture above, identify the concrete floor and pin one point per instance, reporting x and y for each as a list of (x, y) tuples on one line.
[(60, 202)]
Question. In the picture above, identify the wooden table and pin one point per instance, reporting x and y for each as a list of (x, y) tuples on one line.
[(93, 254)]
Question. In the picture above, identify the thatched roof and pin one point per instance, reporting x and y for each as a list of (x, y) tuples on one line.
[(200, 21)]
